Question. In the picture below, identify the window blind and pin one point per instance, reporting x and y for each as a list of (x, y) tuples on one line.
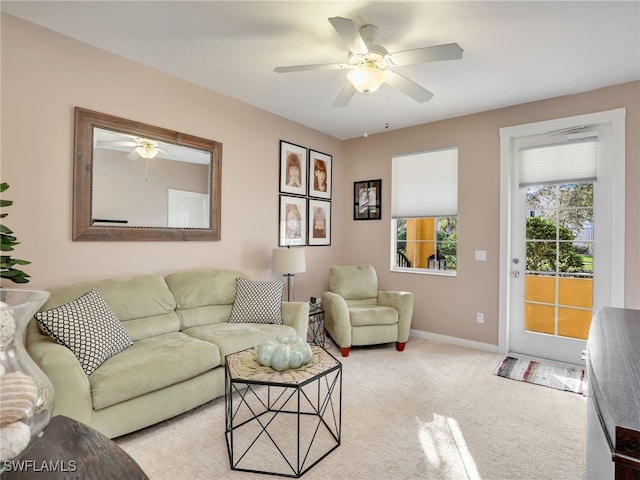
[(576, 161), (425, 184)]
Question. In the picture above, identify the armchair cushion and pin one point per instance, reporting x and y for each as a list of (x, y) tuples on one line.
[(363, 316), (354, 282)]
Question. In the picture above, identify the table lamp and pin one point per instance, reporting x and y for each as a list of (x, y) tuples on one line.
[(288, 261)]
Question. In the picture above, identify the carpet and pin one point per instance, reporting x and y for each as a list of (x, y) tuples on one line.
[(569, 379), (434, 411)]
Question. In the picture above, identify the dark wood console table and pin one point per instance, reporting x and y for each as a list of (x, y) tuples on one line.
[(70, 450), (613, 406)]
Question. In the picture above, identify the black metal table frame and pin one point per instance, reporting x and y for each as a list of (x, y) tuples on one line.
[(316, 327), (244, 388)]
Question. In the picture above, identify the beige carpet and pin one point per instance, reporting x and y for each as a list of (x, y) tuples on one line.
[(434, 411)]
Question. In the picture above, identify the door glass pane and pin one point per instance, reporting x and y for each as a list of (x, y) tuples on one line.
[(574, 323), (539, 318), (559, 259)]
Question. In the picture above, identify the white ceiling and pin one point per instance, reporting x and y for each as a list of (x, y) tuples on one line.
[(514, 52)]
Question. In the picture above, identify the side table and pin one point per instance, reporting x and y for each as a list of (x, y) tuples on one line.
[(316, 334), (70, 450)]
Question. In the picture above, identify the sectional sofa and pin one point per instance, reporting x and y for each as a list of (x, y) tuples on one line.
[(171, 334)]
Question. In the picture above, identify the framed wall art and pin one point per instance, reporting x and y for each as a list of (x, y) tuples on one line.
[(319, 222), (367, 200), (292, 221), (293, 168), (319, 175)]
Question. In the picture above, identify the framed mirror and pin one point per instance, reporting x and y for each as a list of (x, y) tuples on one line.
[(133, 181)]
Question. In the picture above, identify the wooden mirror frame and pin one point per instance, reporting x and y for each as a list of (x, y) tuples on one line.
[(83, 226)]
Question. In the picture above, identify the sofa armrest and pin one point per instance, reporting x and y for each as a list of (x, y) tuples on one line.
[(72, 393), (336, 318), (296, 315), (403, 303)]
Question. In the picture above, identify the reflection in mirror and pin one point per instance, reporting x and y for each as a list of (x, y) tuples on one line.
[(145, 183)]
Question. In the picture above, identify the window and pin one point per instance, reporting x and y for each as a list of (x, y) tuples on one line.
[(424, 211)]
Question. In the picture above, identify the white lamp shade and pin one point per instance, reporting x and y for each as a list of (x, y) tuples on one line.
[(367, 79), (288, 260)]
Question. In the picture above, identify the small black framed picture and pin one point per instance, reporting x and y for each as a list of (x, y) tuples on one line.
[(319, 222), (293, 168), (293, 221), (367, 200), (319, 175)]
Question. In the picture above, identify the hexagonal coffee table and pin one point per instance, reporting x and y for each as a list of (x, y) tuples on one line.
[(282, 423)]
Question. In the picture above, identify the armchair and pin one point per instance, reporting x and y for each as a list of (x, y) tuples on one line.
[(357, 313)]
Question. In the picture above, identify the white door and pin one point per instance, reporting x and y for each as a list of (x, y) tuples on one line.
[(563, 257), (188, 209)]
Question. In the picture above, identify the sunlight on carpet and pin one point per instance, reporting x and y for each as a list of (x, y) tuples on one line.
[(446, 449)]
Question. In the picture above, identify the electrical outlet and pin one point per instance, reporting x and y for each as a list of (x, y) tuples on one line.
[(480, 317)]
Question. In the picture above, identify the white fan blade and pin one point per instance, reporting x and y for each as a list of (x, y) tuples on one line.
[(166, 154), (408, 87), (306, 68), (450, 51), (350, 34), (133, 155), (107, 143), (345, 95)]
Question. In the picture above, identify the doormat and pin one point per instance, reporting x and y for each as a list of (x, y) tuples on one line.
[(569, 379)]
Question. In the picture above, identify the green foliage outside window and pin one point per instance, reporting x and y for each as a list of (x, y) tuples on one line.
[(542, 236)]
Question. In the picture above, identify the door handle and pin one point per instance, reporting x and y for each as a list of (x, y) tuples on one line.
[(516, 274)]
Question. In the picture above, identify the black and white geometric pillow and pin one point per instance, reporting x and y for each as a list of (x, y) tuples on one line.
[(257, 302), (88, 327)]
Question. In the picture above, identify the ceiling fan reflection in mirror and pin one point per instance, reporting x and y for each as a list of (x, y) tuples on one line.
[(139, 147), (370, 65), (147, 148)]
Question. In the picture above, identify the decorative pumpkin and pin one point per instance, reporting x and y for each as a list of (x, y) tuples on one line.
[(284, 353)]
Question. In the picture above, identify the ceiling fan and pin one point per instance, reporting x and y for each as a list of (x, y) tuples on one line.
[(370, 65), (141, 147)]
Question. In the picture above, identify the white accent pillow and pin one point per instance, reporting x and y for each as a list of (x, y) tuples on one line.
[(257, 302), (88, 327)]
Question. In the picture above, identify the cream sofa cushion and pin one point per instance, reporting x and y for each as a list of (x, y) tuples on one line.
[(233, 337), (149, 365), (203, 296), (145, 299)]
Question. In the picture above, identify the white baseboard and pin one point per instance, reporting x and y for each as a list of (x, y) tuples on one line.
[(460, 342)]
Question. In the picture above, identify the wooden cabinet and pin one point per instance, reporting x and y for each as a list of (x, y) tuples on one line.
[(613, 407)]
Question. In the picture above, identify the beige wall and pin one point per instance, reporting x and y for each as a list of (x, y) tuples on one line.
[(45, 75), (448, 305)]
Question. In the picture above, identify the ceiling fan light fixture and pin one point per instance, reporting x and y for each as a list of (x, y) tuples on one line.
[(367, 78), (147, 151)]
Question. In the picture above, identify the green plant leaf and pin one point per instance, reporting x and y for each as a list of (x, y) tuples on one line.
[(7, 244), (15, 276), (8, 239)]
